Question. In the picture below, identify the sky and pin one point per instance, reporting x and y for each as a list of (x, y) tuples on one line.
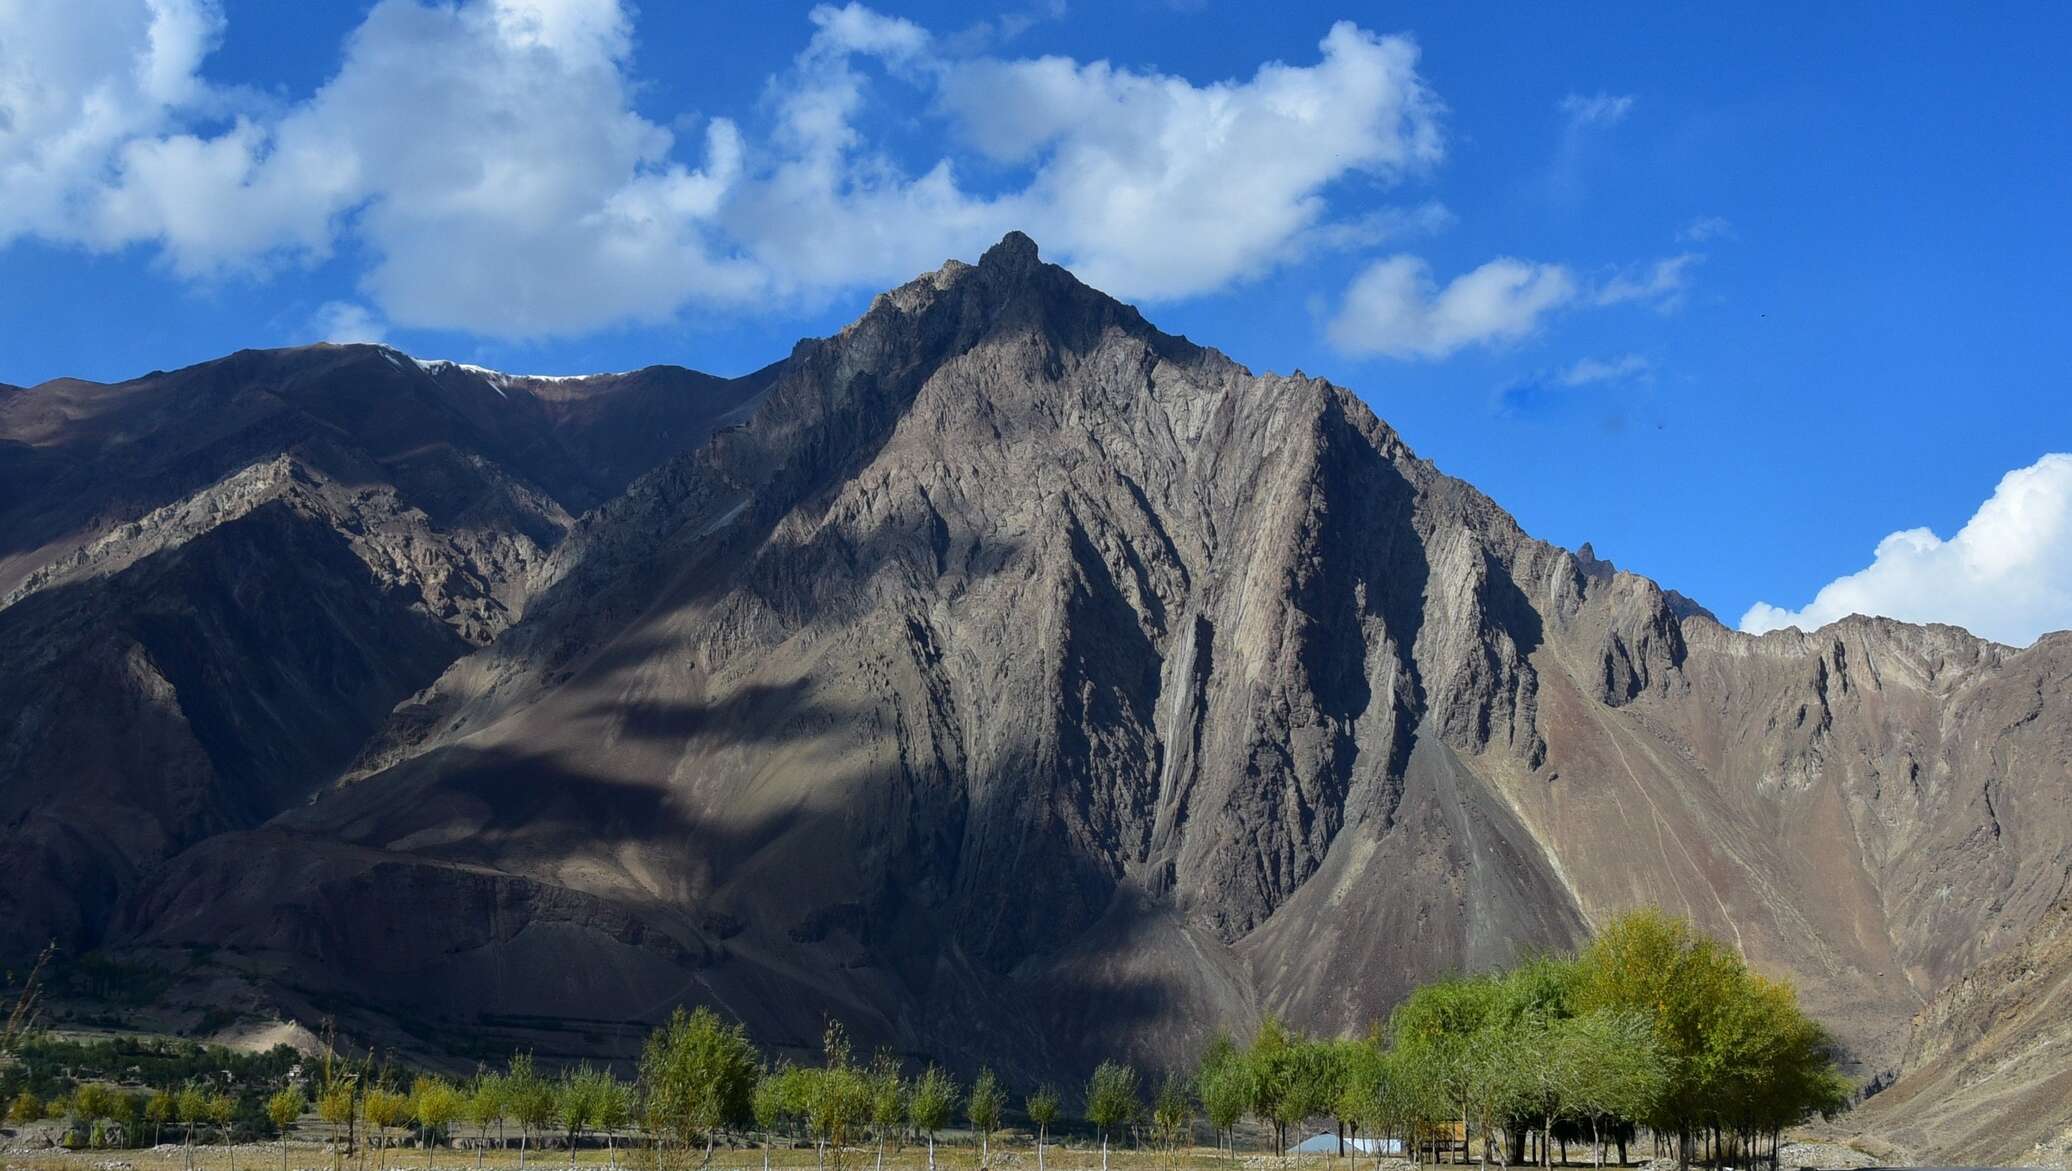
[(1766, 302)]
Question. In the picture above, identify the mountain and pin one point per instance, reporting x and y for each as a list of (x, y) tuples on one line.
[(1021, 683), (216, 583)]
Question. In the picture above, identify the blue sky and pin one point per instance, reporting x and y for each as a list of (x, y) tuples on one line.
[(1741, 295)]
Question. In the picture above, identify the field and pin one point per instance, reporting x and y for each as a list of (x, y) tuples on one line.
[(317, 1156)]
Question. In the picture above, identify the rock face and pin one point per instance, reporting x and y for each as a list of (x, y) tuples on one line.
[(1986, 1076), (1021, 683), (216, 583)]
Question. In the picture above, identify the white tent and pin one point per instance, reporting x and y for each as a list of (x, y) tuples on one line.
[(1325, 1142)]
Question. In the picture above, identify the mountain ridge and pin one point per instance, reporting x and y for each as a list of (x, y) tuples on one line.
[(1002, 660)]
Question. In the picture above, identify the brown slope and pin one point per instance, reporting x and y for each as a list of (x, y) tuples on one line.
[(1986, 1072), (1015, 657), (220, 581)]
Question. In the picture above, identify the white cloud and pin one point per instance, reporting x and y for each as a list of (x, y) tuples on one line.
[(487, 157), (1706, 227), (341, 322), (1587, 371), (1660, 285), (1394, 308), (80, 80), (1599, 109), (2006, 575)]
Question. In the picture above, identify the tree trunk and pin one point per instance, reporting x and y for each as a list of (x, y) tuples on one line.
[(523, 1134), (931, 1151), (1039, 1148), (1104, 1151)]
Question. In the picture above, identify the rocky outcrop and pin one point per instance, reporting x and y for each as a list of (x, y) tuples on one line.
[(1986, 1075)]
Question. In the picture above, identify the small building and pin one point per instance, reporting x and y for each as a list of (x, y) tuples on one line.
[(1325, 1142)]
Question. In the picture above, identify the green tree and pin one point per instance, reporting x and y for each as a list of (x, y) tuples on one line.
[(575, 1104), (931, 1105), (614, 1108), (1360, 1103), (1111, 1100), (192, 1109), (159, 1110), (1042, 1108), (1172, 1113), (888, 1100), (486, 1108), (435, 1103), (836, 1095), (385, 1109), (983, 1109), (26, 1107), (1224, 1086), (282, 1109), (1290, 1078), (1440, 1026), (339, 1105), (1612, 1068), (699, 1074), (774, 1102), (223, 1112), (530, 1099)]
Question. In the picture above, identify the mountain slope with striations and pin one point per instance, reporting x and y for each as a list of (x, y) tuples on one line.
[(216, 583), (1017, 681)]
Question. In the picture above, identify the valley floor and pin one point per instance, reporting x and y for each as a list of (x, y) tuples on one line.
[(310, 1156)]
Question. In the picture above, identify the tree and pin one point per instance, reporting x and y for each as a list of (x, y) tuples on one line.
[(700, 1076), (614, 1108), (836, 1095), (529, 1097), (1172, 1113), (338, 1104), (1438, 1026), (775, 1100), (385, 1109), (1111, 1100), (1290, 1078), (27, 1107), (223, 1111), (485, 1108), (282, 1109), (930, 1105), (575, 1104), (192, 1109), (1362, 1088), (1224, 1087), (1612, 1067), (888, 1100), (983, 1110), (1042, 1108), (159, 1109), (435, 1103)]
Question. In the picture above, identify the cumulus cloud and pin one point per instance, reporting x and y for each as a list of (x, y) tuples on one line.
[(2006, 575), (1395, 309), (1599, 109), (343, 321), (487, 157)]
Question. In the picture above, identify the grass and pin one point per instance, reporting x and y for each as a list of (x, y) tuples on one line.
[(305, 1155)]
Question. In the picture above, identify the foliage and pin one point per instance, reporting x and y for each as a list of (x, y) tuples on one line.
[(1111, 1096), (699, 1075)]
